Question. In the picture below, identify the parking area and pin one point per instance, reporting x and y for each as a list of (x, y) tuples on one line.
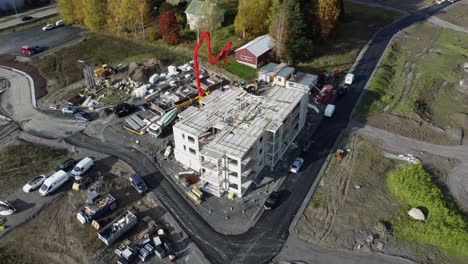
[(35, 36)]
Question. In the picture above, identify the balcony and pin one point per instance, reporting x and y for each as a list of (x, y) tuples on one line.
[(210, 177), (209, 165)]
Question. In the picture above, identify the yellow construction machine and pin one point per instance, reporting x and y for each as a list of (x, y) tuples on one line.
[(191, 100), (104, 71)]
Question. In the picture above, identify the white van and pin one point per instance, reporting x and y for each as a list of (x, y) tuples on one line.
[(82, 166), (60, 23), (53, 182), (329, 110)]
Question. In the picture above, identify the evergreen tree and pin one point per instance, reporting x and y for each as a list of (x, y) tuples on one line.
[(298, 41)]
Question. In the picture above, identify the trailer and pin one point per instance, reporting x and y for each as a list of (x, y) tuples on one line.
[(111, 232), (97, 207)]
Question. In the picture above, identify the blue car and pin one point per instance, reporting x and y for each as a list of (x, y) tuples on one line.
[(83, 116), (69, 110)]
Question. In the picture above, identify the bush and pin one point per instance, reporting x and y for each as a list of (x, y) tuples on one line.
[(188, 35), (446, 226), (153, 34)]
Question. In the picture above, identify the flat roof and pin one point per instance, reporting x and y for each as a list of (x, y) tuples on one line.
[(304, 78), (285, 72), (240, 117)]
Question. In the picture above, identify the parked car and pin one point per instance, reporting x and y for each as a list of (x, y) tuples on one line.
[(34, 183), (76, 100), (123, 109), (48, 27), (308, 146), (26, 18), (32, 50), (272, 201), (66, 165), (81, 167), (83, 116), (69, 110), (60, 23), (53, 183), (137, 182), (296, 165)]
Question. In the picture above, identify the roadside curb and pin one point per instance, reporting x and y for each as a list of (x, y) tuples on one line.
[(31, 22), (31, 81)]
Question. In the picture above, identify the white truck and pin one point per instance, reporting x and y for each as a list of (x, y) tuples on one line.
[(157, 129), (53, 182), (329, 110)]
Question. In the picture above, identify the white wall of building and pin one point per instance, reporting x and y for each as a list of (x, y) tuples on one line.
[(186, 150)]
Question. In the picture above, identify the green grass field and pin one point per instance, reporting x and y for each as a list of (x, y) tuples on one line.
[(446, 225), (418, 77), (360, 23), (22, 162)]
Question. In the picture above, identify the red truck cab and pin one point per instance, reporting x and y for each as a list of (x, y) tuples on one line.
[(325, 94)]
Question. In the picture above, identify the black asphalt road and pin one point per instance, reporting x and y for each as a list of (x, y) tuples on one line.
[(263, 241), (35, 36)]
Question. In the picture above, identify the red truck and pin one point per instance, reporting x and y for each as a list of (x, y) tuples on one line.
[(325, 94), (31, 50)]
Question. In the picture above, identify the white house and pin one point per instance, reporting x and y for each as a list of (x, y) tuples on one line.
[(201, 14)]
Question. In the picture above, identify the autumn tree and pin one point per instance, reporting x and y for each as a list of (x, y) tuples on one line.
[(327, 14), (144, 10), (115, 16), (279, 31), (251, 17), (66, 8), (94, 14), (168, 27)]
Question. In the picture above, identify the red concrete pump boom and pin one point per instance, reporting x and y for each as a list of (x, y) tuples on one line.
[(226, 49)]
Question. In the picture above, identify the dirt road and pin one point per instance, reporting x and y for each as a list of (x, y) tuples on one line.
[(457, 179)]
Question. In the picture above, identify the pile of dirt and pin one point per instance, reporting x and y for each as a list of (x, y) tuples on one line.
[(39, 82), (141, 72)]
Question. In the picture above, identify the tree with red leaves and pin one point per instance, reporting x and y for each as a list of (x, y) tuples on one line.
[(169, 28)]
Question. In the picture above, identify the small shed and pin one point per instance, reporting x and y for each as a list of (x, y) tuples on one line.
[(255, 52), (269, 71), (301, 80), (283, 76)]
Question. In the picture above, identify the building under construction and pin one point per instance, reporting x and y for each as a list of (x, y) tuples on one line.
[(234, 135)]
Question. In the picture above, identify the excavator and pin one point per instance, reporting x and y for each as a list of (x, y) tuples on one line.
[(254, 88), (104, 71)]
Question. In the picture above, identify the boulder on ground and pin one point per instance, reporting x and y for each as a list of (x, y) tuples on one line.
[(417, 214)]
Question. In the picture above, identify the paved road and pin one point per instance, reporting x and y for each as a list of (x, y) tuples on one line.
[(13, 20), (35, 36), (457, 179), (263, 241), (17, 102)]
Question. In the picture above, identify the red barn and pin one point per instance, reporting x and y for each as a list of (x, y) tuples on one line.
[(255, 52)]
